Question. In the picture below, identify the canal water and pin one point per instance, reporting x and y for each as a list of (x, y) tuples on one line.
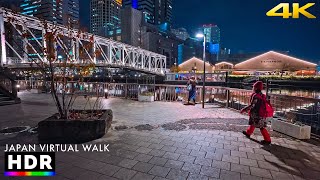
[(292, 91), (296, 92)]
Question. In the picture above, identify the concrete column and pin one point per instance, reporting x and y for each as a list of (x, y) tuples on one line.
[(3, 42)]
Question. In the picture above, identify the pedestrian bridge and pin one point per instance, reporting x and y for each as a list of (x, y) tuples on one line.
[(24, 41)]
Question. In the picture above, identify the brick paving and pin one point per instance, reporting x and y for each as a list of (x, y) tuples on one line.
[(188, 154)]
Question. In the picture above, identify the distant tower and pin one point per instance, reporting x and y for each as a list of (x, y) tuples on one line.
[(64, 12), (154, 11), (181, 33), (104, 16), (212, 33)]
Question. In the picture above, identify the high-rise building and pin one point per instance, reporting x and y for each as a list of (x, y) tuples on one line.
[(104, 16), (190, 48), (70, 12), (64, 12), (163, 11), (135, 31), (212, 33), (131, 26), (181, 33), (154, 11)]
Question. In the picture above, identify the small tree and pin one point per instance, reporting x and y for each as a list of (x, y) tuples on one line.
[(66, 68), (58, 72)]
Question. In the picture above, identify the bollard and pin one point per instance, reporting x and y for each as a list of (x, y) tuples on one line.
[(106, 93), (228, 98)]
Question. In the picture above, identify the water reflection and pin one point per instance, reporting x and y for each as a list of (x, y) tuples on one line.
[(297, 92)]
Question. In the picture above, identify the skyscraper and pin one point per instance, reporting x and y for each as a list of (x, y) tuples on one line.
[(104, 16), (154, 11), (212, 33), (163, 11), (131, 26), (64, 12)]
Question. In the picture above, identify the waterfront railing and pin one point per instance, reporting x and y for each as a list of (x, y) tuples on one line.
[(295, 109)]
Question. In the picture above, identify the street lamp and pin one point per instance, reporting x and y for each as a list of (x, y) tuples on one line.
[(201, 35)]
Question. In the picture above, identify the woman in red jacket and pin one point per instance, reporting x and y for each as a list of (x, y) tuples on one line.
[(255, 120)]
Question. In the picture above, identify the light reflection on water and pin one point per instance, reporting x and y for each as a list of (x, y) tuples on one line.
[(294, 92)]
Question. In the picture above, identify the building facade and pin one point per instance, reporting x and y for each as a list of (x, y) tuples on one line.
[(137, 32), (181, 33), (64, 12), (104, 16), (188, 49), (154, 11), (163, 11), (212, 33), (274, 62), (162, 43), (145, 6), (131, 26)]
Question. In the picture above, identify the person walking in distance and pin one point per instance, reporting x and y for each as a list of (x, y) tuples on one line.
[(259, 109), (191, 86)]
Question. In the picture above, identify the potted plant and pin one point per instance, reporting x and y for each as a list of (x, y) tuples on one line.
[(146, 97)]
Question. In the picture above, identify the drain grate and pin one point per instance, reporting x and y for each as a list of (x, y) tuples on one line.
[(13, 130)]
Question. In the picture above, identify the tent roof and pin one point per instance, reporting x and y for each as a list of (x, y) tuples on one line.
[(274, 60)]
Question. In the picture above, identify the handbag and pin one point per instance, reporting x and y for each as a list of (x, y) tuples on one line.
[(189, 87)]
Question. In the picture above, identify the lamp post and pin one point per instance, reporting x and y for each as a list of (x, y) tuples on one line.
[(201, 35)]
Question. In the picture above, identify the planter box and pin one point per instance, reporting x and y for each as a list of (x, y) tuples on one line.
[(36, 91), (54, 131), (296, 131), (145, 98)]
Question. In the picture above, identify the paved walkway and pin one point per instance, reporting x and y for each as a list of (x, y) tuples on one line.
[(166, 154)]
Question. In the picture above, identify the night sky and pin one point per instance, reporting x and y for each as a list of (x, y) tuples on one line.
[(245, 27)]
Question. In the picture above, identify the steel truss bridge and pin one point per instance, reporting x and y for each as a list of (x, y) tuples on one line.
[(28, 34)]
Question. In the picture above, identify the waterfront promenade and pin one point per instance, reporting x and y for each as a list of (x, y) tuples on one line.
[(208, 145)]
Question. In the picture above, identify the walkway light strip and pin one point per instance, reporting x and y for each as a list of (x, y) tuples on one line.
[(30, 173)]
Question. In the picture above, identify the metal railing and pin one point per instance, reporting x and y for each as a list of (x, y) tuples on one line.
[(298, 109), (290, 108), (210, 77)]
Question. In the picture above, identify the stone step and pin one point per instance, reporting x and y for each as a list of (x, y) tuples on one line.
[(4, 103), (5, 98)]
